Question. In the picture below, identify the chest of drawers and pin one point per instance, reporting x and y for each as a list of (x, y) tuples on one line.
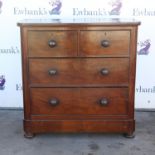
[(78, 76)]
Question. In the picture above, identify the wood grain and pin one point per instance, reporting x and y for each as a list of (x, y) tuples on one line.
[(79, 71), (78, 57), (90, 43), (66, 43), (78, 101)]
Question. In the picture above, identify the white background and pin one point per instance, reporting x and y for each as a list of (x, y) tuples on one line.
[(12, 11)]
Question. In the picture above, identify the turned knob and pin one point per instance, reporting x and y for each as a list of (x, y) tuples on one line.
[(54, 101), (52, 43), (103, 102), (104, 71), (52, 72), (105, 43)]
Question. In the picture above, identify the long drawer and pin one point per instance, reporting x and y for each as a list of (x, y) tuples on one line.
[(86, 101), (59, 72)]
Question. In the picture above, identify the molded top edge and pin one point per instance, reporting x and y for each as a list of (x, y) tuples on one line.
[(90, 21)]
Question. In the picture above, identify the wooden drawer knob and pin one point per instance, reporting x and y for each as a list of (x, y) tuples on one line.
[(105, 43), (54, 101), (104, 102), (52, 72), (104, 71), (52, 43)]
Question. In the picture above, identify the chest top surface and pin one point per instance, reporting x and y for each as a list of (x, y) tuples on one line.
[(81, 21)]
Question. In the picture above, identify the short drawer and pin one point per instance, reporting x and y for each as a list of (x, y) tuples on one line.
[(52, 43), (86, 101), (91, 71), (104, 43)]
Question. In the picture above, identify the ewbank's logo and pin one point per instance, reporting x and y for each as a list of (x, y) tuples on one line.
[(56, 7), (53, 9), (2, 82), (10, 50), (144, 47), (1, 3), (144, 12), (116, 7), (112, 7)]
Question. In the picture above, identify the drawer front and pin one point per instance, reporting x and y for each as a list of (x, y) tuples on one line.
[(100, 71), (52, 43), (104, 43), (92, 101)]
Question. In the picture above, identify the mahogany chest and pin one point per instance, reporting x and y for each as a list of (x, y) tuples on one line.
[(78, 75)]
